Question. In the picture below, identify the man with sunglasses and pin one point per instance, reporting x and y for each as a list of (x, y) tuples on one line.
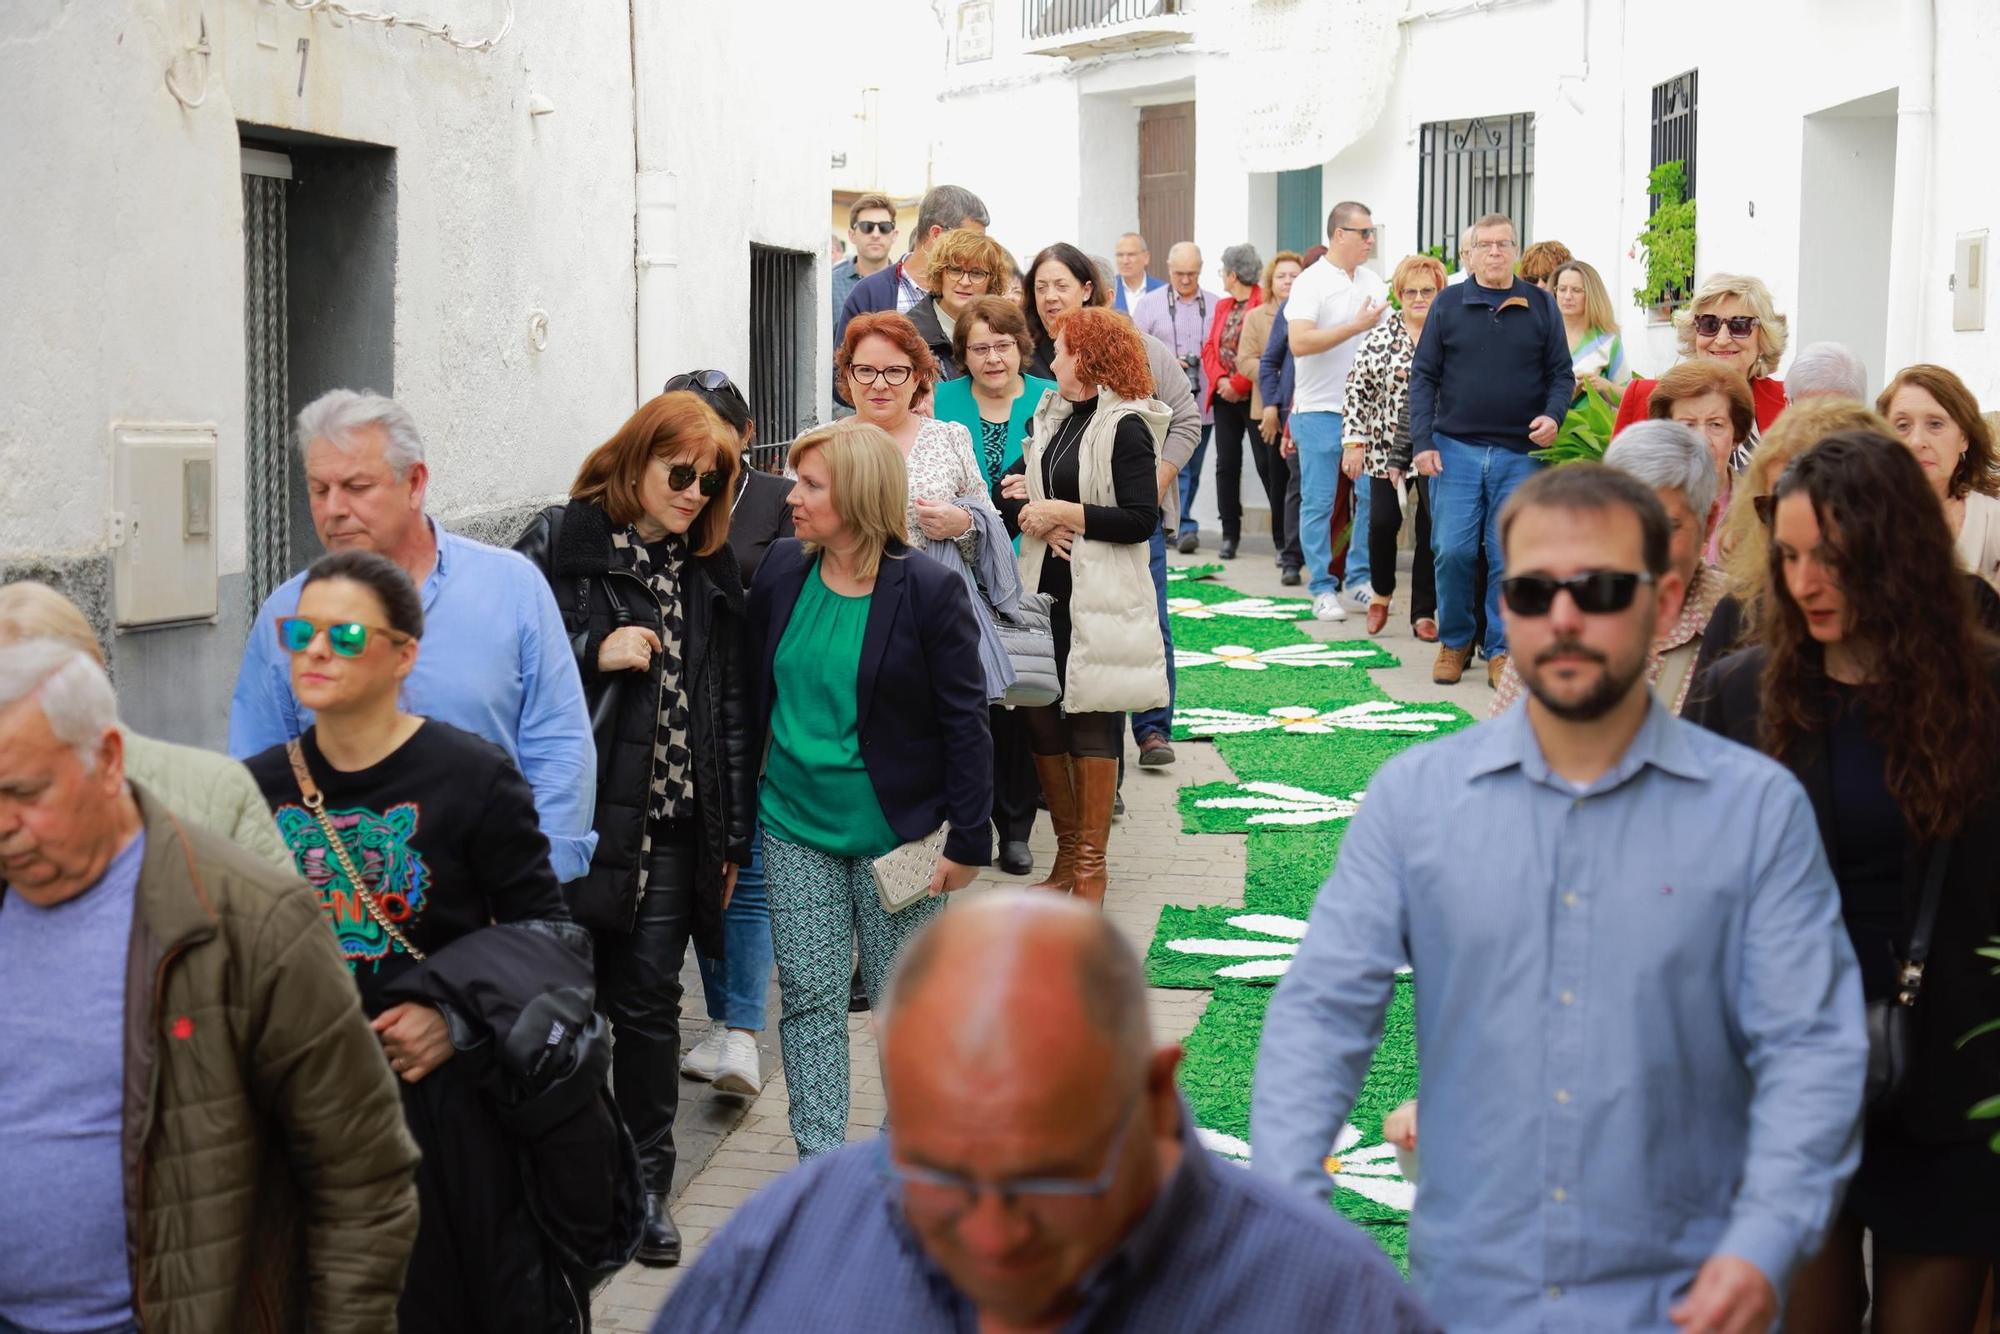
[(496, 661), (1640, 1017), (1040, 1171), (871, 226)]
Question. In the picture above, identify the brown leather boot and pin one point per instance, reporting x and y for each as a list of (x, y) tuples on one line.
[(1059, 790), (1450, 664), (1097, 789)]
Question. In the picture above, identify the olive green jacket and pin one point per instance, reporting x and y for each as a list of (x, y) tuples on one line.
[(210, 790)]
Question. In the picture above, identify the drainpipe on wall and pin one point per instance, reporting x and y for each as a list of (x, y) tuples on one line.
[(1910, 215), (655, 226)]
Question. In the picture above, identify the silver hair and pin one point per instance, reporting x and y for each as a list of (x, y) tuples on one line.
[(335, 415), (1243, 261), (73, 691), (949, 206), (1665, 454), (1826, 368)]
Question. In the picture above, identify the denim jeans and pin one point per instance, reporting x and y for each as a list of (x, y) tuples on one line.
[(1358, 580), (9, 1327), (1291, 556), (1190, 482), (1317, 436), (1465, 512), (737, 986), (1159, 722)]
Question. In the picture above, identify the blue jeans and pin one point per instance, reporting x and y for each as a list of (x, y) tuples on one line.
[(9, 1327), (1190, 482), (1465, 511), (1317, 436), (1159, 722), (738, 985), (1357, 580)]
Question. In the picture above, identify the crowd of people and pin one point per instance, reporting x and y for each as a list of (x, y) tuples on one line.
[(381, 1026)]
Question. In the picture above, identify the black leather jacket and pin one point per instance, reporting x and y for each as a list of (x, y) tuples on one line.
[(571, 545)]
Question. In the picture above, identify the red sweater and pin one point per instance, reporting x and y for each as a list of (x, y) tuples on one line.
[(1767, 394), (1211, 349)]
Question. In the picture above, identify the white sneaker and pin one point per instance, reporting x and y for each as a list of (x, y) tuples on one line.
[(1326, 607), (706, 1057), (1357, 599), (738, 1071)]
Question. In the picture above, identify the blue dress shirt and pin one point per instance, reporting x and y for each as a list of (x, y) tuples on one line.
[(495, 661), (826, 1248), (1638, 1013)]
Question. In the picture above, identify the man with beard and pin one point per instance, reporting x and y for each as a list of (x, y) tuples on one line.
[(1640, 1019)]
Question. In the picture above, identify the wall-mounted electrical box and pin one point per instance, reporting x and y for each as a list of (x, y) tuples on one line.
[(1968, 282), (163, 523)]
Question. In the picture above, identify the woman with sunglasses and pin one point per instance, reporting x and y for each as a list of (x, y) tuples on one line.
[(440, 827), (1875, 685), (642, 572), (1733, 322), (758, 515), (965, 266)]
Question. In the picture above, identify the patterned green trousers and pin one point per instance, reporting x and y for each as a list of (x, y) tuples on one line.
[(820, 905)]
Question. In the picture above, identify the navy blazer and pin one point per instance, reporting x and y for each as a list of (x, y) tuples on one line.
[(920, 695)]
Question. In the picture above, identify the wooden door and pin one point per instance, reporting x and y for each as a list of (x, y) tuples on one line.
[(1166, 179)]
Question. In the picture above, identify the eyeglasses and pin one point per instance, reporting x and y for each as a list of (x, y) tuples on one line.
[(1365, 233), (976, 275), (981, 351), (1497, 247), (1419, 293), (680, 476), (1740, 326), (1595, 592), (890, 375), (943, 1196), (879, 228), (347, 638)]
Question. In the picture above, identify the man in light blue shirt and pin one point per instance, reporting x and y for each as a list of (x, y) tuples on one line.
[(495, 661), (1639, 1016)]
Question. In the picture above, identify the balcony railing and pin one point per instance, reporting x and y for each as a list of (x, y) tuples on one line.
[(1096, 27)]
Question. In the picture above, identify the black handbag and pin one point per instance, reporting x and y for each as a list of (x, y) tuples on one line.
[(1892, 1020)]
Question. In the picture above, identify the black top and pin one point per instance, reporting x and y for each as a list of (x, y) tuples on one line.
[(443, 830), (1869, 842), (1133, 478)]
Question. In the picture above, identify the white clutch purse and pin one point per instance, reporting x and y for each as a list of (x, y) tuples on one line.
[(903, 875)]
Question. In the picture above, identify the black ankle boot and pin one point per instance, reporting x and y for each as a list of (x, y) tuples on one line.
[(660, 1243)]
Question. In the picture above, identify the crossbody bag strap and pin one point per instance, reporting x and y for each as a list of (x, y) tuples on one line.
[(1910, 972), (316, 803)]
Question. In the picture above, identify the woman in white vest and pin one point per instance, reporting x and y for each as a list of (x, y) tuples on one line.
[(1083, 496)]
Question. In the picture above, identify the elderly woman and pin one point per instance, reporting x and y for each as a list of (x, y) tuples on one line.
[(1596, 349), (639, 562), (1378, 396), (965, 265), (1714, 401), (758, 515), (1085, 498), (1936, 416), (1276, 281), (1228, 381), (868, 685), (1732, 322)]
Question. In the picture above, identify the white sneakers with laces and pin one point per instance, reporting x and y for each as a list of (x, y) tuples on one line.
[(738, 1070), (706, 1057), (1326, 607)]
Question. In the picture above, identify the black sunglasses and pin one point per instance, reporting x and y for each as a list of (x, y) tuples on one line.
[(1596, 592), (879, 228), (1740, 326), (680, 476), (715, 382)]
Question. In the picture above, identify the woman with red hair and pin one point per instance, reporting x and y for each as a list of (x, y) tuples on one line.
[(1085, 492)]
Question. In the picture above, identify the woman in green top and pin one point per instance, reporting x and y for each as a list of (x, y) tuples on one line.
[(1596, 349), (874, 707)]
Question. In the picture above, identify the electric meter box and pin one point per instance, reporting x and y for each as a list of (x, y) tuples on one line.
[(163, 523)]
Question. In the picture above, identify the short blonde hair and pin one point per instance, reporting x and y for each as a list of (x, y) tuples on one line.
[(871, 488), (1410, 266), (967, 249), (1772, 332), (30, 610), (1740, 540)]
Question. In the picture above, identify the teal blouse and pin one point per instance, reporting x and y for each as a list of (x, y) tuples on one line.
[(953, 402)]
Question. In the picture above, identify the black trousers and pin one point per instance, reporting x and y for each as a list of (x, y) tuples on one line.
[(1271, 472), (1232, 421), (639, 991), (1015, 786), (1385, 521), (1291, 556)]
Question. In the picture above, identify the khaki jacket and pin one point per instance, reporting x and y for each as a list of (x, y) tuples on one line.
[(210, 790), (269, 1179)]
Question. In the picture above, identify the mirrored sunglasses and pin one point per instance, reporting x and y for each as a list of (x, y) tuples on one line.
[(349, 639)]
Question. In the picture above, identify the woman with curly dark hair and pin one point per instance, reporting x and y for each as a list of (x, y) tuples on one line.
[(1086, 492), (1876, 686)]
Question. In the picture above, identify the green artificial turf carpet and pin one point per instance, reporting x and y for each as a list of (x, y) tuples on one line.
[(1303, 727)]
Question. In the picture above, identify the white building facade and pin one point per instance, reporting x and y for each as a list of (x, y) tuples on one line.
[(1832, 142), (519, 230)]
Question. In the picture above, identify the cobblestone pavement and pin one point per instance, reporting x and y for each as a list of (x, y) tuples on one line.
[(730, 1150)]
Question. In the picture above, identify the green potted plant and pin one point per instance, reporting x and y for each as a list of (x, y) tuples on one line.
[(1668, 239), (1585, 434)]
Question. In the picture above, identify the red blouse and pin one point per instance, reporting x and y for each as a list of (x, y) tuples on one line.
[(1767, 394)]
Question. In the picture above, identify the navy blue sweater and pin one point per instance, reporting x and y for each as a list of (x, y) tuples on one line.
[(1488, 364)]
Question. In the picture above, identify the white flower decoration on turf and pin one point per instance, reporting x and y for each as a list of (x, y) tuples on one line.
[(1369, 716), (1281, 803), (1261, 958), (1256, 609), (1365, 1169), (1316, 654)]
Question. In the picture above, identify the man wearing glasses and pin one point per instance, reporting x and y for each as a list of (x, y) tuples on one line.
[(496, 660), (1632, 983), (1039, 1171), (871, 227), (1492, 380), (1177, 314)]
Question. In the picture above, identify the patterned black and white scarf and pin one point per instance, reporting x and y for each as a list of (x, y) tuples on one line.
[(668, 798)]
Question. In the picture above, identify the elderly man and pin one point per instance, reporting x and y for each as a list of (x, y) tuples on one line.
[(1491, 381), (1040, 1172), (1629, 945), (1177, 315), (496, 660), (1826, 370), (199, 1129), (1133, 257), (1673, 460)]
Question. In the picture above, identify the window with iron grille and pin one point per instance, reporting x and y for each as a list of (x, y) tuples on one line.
[(781, 351), (1673, 140), (1469, 168)]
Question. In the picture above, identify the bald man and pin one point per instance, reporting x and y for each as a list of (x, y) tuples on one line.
[(1041, 1172)]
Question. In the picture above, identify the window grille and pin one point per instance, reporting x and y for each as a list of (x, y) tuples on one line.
[(780, 350), (267, 464), (1469, 168)]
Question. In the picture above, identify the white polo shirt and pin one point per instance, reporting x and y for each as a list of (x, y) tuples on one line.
[(1326, 296)]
